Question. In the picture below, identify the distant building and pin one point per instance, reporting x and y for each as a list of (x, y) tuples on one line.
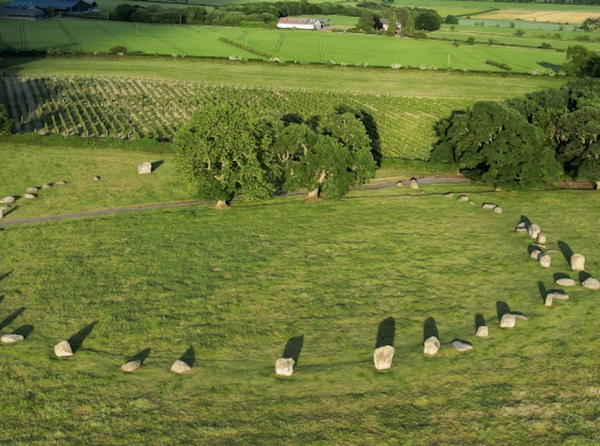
[(31, 13), (63, 6), (293, 23)]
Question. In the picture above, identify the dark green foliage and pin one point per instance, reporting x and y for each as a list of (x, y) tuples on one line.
[(368, 22), (428, 20), (224, 151), (451, 20), (6, 124), (419, 35), (123, 12), (119, 49), (499, 65), (496, 145), (582, 62), (470, 40), (327, 155)]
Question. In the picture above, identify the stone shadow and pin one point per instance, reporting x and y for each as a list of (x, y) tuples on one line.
[(502, 308), (293, 348), (156, 165), (479, 321), (543, 291), (189, 357), (430, 329), (525, 220), (583, 276), (558, 276), (24, 330), (140, 356), (78, 338), (386, 332), (9, 320), (566, 250)]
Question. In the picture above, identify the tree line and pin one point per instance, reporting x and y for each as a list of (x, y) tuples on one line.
[(529, 141), (225, 151)]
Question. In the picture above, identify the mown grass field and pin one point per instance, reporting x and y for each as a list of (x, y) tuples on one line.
[(72, 35), (231, 288)]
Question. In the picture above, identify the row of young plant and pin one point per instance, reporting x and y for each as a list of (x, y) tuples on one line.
[(155, 109)]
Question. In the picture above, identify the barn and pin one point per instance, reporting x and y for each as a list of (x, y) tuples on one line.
[(299, 23), (64, 6), (31, 13)]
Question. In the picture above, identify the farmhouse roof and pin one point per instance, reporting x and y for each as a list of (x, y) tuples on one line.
[(295, 21), (43, 4)]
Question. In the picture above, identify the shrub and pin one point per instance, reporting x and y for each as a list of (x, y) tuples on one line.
[(6, 124), (499, 65), (545, 46), (451, 20), (519, 33), (419, 35), (119, 49), (471, 40)]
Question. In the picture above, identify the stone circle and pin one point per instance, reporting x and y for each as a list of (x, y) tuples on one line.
[(7, 200), (63, 349), (180, 367), (145, 168), (591, 284), (131, 366), (545, 261), (12, 338), (548, 300), (541, 239), (566, 281), (462, 346), (431, 346), (558, 295), (508, 321), (382, 357), (535, 254), (285, 366), (482, 331), (533, 231), (577, 262)]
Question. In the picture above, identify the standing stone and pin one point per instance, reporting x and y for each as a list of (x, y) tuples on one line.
[(521, 225), (482, 331), (545, 261), (508, 321), (6, 207), (431, 346), (535, 254), (520, 229), (497, 210), (12, 338), (30, 196), (566, 281), (46, 186), (462, 346), (414, 184), (382, 358), (463, 198), (577, 262), (63, 349), (180, 367), (284, 366), (31, 190), (558, 295), (96, 178), (548, 300), (400, 184), (131, 366), (541, 239), (60, 183), (7, 200), (449, 195), (591, 284), (533, 231), (488, 206), (145, 168), (1, 214)]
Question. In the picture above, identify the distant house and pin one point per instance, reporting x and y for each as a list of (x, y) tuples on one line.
[(64, 6), (385, 23), (294, 23)]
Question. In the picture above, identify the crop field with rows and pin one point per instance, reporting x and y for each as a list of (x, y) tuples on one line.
[(136, 108)]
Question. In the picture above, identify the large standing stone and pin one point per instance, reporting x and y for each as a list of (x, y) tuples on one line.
[(508, 321), (414, 184), (180, 367), (284, 366), (591, 284), (541, 239), (462, 346), (12, 338), (577, 262), (566, 281), (534, 231), (7, 200), (30, 196), (535, 254), (431, 346), (482, 331), (463, 198), (63, 349), (488, 206), (545, 261), (145, 168), (382, 358), (131, 366), (548, 300)]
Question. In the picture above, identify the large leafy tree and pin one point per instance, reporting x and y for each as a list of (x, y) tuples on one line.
[(325, 155), (428, 20), (225, 151), (6, 124), (582, 62), (496, 145)]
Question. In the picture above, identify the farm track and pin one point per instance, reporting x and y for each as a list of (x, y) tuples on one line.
[(70, 36)]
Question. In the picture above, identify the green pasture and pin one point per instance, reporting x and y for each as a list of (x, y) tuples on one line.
[(228, 290), (291, 45), (487, 5)]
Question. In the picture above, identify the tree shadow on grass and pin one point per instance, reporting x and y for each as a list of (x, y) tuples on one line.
[(502, 308), (386, 332), (550, 66), (566, 250), (78, 338), (141, 356), (430, 329), (24, 330), (479, 321), (189, 357), (293, 348), (156, 165), (9, 320)]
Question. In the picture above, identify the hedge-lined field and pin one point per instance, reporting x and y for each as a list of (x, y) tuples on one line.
[(135, 108)]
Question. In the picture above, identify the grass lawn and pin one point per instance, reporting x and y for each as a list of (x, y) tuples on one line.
[(229, 289)]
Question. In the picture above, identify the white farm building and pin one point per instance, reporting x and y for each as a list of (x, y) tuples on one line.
[(292, 23)]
